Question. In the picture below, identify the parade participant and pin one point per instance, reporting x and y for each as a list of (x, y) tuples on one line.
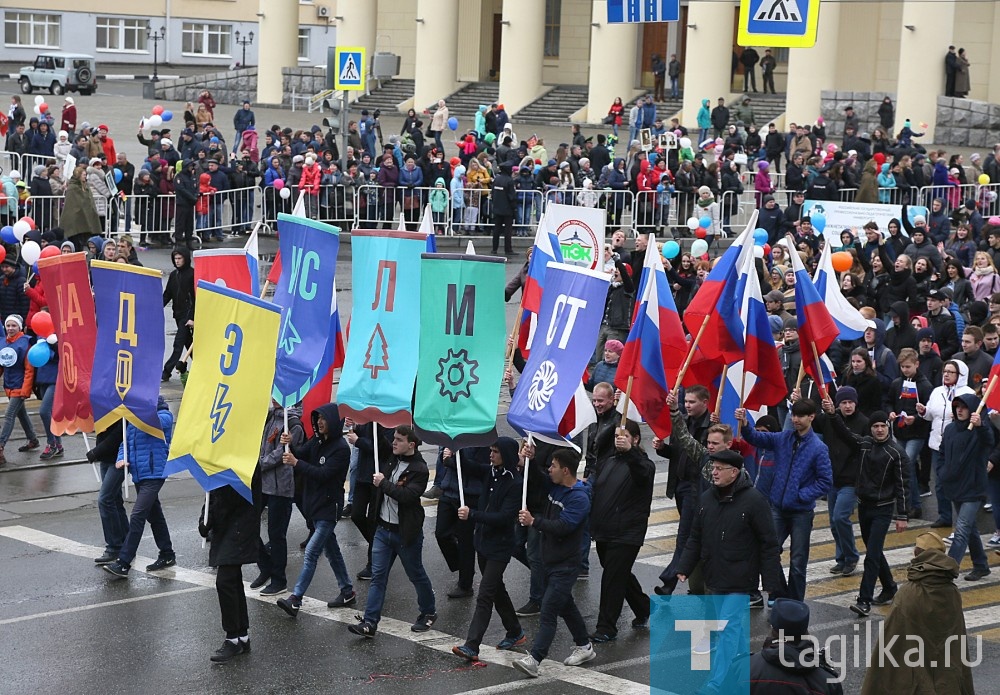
[(179, 293), (362, 437), (455, 535), (114, 520), (18, 377)]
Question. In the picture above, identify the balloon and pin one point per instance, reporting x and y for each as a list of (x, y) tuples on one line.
[(34, 268), (167, 116), (700, 233), (37, 110), (39, 354), (118, 175), (984, 179), (842, 261), (157, 110), (758, 251), (760, 236), (818, 221), (453, 123), (20, 229), (29, 221), (43, 107), (39, 99), (3, 254), (279, 183), (154, 121), (767, 249), (41, 323), (30, 251), (7, 234), (52, 339), (50, 250), (699, 248), (671, 249), (705, 222), (685, 143), (286, 193), (692, 223)]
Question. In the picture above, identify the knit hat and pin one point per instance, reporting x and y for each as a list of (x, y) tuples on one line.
[(879, 417), (925, 334), (16, 318), (727, 457), (846, 393), (69, 100), (790, 324), (103, 127), (791, 616), (774, 322), (919, 220), (615, 346)]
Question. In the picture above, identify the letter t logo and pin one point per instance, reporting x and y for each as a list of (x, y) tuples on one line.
[(700, 629)]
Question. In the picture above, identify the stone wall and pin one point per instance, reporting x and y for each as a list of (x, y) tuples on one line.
[(967, 123), (832, 105), (233, 86)]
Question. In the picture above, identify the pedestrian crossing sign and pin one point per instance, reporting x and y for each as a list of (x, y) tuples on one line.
[(778, 23), (349, 73)]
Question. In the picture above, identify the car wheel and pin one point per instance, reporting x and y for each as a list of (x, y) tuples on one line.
[(25, 86), (57, 88), (83, 75)]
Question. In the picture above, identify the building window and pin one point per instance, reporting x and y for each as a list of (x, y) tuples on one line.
[(205, 39), (553, 11), (120, 34), (303, 44), (31, 30)]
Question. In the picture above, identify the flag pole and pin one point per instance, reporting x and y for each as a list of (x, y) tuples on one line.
[(263, 290), (722, 385), (690, 355), (802, 373), (628, 395), (819, 371), (524, 482), (284, 412), (987, 393), (125, 456), (86, 443), (461, 487)]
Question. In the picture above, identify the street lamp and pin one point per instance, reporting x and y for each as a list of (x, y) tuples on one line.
[(244, 43), (156, 37)]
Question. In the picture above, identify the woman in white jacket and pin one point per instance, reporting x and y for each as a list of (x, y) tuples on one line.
[(937, 410), (61, 148)]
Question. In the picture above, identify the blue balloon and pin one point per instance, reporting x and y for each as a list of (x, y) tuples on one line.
[(705, 222), (818, 221), (671, 249), (34, 268), (166, 116), (39, 354), (760, 237), (118, 175), (453, 123), (7, 234)]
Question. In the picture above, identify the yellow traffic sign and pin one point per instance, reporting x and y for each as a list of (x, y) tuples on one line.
[(778, 23), (349, 69)]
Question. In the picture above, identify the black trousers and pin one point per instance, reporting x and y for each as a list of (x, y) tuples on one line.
[(503, 225), (618, 585), (232, 601), (363, 495), (183, 224), (492, 594), (182, 339), (454, 537), (769, 81)]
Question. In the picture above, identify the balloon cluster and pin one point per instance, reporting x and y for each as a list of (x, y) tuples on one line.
[(699, 225), (40, 105), (159, 116), (279, 186), (41, 352)]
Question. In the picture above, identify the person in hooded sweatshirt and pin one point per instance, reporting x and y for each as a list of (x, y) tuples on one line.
[(179, 293), (322, 461), (495, 519), (901, 334), (965, 449), (938, 411)]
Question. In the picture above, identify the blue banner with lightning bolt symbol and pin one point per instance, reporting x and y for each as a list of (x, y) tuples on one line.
[(308, 299), (222, 414)]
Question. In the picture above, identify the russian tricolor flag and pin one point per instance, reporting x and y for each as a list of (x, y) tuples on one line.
[(760, 360), (546, 250), (817, 329), (655, 347), (849, 320)]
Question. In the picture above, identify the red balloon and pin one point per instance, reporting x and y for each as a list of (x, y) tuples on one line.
[(3, 253), (767, 250), (49, 251), (43, 107), (700, 232), (41, 324), (30, 222), (157, 110)]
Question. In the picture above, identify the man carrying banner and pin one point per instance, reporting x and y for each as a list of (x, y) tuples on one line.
[(114, 520)]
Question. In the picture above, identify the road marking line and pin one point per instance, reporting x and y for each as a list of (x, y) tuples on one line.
[(433, 639), (119, 602)]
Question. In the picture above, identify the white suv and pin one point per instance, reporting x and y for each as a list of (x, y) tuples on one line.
[(60, 73)]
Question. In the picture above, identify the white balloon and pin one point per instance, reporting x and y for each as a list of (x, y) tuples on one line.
[(52, 339), (38, 111), (20, 229), (39, 99), (30, 251), (685, 142), (154, 121), (285, 193), (692, 223), (758, 251), (699, 248)]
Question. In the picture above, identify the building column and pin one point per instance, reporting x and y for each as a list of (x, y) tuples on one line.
[(436, 62), (921, 62), (356, 26), (707, 58), (609, 75), (523, 53), (279, 31), (812, 70)]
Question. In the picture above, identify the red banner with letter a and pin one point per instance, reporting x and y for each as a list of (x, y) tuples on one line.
[(67, 288)]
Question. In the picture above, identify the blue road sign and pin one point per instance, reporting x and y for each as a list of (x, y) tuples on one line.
[(640, 11), (350, 64), (780, 23)]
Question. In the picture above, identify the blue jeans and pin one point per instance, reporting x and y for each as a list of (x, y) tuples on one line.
[(146, 508), (875, 521), (386, 547), (215, 215), (324, 539), (913, 448), (967, 536), (841, 502), (673, 88), (45, 413), (557, 602), (585, 539), (114, 520), (15, 410), (944, 504), (528, 553), (798, 525), (273, 556)]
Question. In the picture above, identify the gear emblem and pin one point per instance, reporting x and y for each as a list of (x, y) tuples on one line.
[(457, 375)]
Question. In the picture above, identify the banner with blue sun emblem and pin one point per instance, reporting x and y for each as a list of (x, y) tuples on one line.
[(463, 339)]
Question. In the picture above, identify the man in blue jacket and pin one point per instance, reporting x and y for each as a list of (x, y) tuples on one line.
[(561, 526), (802, 474)]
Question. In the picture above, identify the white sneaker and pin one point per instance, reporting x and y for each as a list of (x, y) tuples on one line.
[(994, 539), (580, 655), (950, 538), (527, 666), (988, 507), (704, 646)]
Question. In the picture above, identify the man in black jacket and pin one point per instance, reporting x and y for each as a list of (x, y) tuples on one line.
[(749, 59), (495, 519), (114, 520), (504, 198), (186, 195), (179, 293), (720, 118), (399, 517), (622, 495), (322, 461)]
